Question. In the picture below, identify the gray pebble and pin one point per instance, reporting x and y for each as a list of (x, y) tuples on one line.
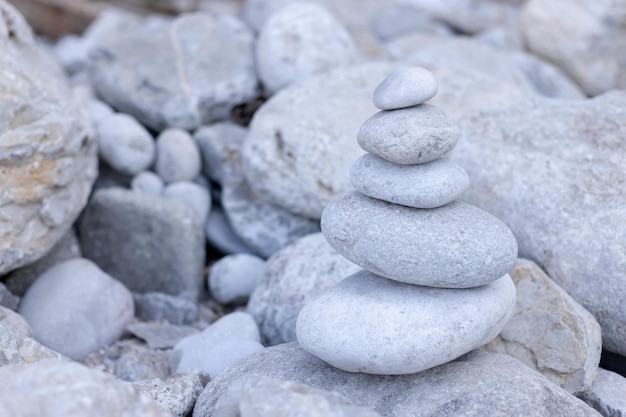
[(147, 182), (409, 136), (160, 335), (99, 111), (233, 278), (76, 308), (220, 234), (8, 299), (455, 246), (428, 185), (124, 144), (177, 156), (176, 395), (374, 325), (220, 146), (158, 306), (405, 87), (191, 194)]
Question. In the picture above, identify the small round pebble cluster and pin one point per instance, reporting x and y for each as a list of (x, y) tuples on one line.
[(435, 284)]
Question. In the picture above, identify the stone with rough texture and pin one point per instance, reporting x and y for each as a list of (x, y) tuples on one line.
[(147, 242), (405, 87), (478, 384), (179, 72), (177, 156), (220, 146), (550, 332), (590, 44), (374, 325), (176, 395), (15, 322), (300, 40), (294, 276), (71, 390), (19, 280), (48, 159), (414, 135), (124, 144), (428, 185), (607, 394), (158, 306), (554, 176), (298, 153), (248, 396), (191, 194), (264, 227), (76, 308), (160, 335), (456, 246), (147, 182), (193, 352), (16, 348), (233, 278)]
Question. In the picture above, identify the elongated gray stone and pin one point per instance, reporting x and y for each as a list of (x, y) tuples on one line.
[(374, 325), (428, 185), (405, 87), (455, 246), (409, 136)]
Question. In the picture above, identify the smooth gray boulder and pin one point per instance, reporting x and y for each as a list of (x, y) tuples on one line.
[(195, 196), (413, 135), (456, 246), (374, 325), (607, 394), (47, 148), (428, 185), (147, 182), (297, 153), (248, 396), (300, 40), (147, 242), (220, 234), (478, 384), (76, 308), (550, 332), (179, 72), (590, 45), (405, 87), (294, 276), (71, 390), (177, 156), (233, 278), (554, 174)]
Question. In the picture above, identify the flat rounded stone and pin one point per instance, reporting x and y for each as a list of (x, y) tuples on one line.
[(374, 325), (455, 246), (405, 87), (414, 135), (428, 185)]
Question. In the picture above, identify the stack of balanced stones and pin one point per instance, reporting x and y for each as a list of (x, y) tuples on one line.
[(435, 284)]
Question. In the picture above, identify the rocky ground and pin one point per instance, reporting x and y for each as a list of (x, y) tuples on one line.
[(162, 180)]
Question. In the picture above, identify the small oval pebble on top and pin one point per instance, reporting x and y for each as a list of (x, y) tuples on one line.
[(405, 87)]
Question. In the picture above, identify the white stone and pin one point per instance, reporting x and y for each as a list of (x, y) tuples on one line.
[(147, 182), (76, 308), (405, 87), (301, 40), (124, 144), (370, 324), (177, 156), (428, 185), (455, 246), (220, 146), (413, 135), (233, 278), (607, 394), (193, 195)]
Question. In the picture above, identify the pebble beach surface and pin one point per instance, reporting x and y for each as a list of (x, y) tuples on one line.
[(303, 208)]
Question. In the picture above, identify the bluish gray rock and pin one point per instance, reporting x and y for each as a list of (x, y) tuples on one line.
[(233, 278), (160, 335), (220, 145), (147, 182), (395, 20), (76, 308), (220, 234), (607, 394), (177, 156), (374, 325), (149, 243), (7, 298), (477, 384), (414, 135), (405, 87), (124, 144), (456, 246), (156, 306), (191, 194), (300, 40), (179, 72), (428, 185), (294, 276)]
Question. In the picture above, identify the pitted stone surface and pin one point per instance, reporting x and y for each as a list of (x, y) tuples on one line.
[(455, 246), (414, 135)]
